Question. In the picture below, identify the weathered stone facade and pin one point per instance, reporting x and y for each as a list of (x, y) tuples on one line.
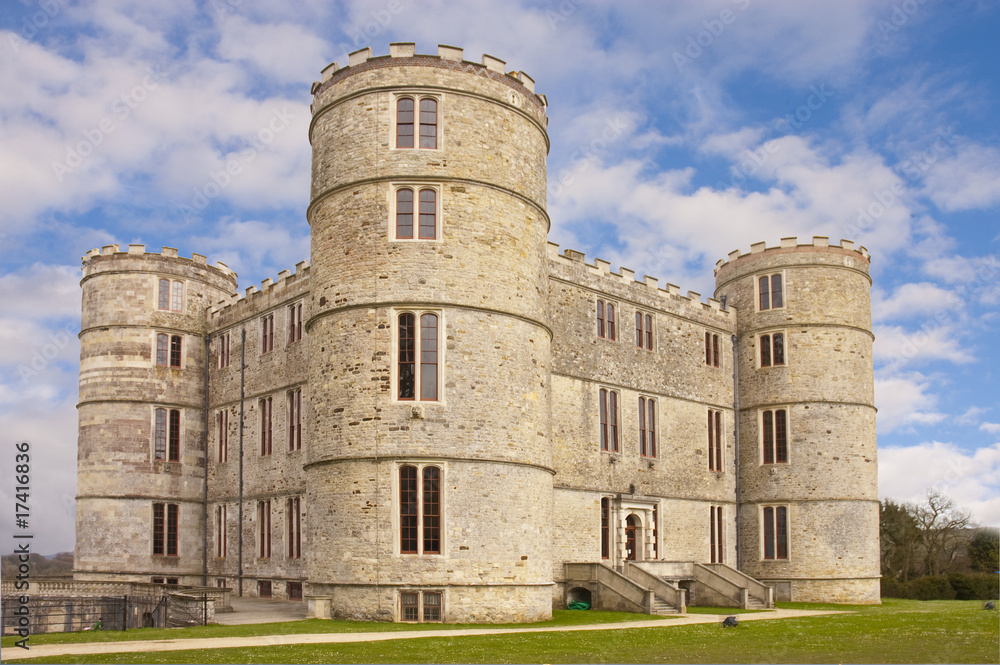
[(513, 477)]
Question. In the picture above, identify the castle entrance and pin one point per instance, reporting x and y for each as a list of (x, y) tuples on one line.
[(630, 540)]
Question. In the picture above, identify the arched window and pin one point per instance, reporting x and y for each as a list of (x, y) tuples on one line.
[(417, 375), (404, 213), (428, 214), (419, 509), (632, 539), (404, 122), (770, 292), (644, 331), (605, 320), (428, 123), (772, 350)]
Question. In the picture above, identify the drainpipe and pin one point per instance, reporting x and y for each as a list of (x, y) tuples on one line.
[(736, 447), (243, 366), (204, 498)]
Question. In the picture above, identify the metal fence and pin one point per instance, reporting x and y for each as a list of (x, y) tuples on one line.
[(63, 614)]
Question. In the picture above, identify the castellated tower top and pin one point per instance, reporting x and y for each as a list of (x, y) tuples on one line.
[(138, 259), (448, 57), (819, 244)]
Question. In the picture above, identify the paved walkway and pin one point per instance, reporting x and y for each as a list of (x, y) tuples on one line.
[(258, 610), (343, 638)]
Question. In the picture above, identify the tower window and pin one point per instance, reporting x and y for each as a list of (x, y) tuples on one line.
[(774, 436), (165, 517), (170, 296), (714, 440), (294, 322), (647, 427), (606, 320), (605, 528), (224, 350), (419, 509), (428, 123), (222, 421), (221, 536), (264, 529), (608, 404), (426, 199), (772, 350), (167, 435), (715, 531), (175, 350), (417, 373), (712, 355), (770, 292), (267, 333), (294, 419), (266, 404), (406, 107), (168, 350), (293, 523), (775, 532), (644, 331)]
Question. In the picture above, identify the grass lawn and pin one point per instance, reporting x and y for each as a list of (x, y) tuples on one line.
[(899, 631)]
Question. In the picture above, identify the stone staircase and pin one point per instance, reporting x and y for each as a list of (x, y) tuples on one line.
[(661, 607)]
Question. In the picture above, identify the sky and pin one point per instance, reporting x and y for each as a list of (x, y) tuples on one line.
[(680, 131)]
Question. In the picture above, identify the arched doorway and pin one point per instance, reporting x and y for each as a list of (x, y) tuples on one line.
[(632, 528)]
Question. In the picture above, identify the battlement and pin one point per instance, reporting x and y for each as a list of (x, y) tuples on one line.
[(669, 292), (139, 251), (447, 56), (250, 295), (792, 243)]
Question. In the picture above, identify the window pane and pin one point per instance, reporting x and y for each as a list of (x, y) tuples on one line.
[(432, 510), (408, 603), (428, 214), (428, 123), (428, 356), (613, 420), (611, 321), (718, 440), (651, 427), (164, 294), (768, 426), (158, 530), (407, 358), (404, 123), (404, 213), (765, 350), (603, 405), (175, 351), (600, 318), (765, 293), (432, 606), (781, 532), (638, 329), (175, 436), (779, 349), (642, 426), (160, 435), (162, 349), (605, 529), (715, 350), (649, 332), (780, 437), (178, 296), (708, 348), (777, 297), (171, 529), (769, 533), (408, 509)]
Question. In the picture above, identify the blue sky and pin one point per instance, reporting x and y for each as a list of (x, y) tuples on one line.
[(680, 131)]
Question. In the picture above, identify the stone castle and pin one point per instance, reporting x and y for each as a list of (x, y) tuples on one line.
[(440, 417)]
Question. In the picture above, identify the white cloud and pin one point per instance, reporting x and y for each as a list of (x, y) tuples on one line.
[(971, 416), (971, 478), (937, 339), (284, 52), (41, 291), (905, 400), (912, 300), (991, 428), (967, 180)]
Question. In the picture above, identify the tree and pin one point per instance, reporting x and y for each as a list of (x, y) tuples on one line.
[(984, 551), (941, 523), (900, 540)]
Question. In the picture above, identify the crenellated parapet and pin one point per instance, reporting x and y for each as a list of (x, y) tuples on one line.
[(448, 57), (670, 294), (791, 244), (251, 301), (97, 256)]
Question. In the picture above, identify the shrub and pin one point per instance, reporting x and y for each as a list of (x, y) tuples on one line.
[(975, 587), (930, 587)]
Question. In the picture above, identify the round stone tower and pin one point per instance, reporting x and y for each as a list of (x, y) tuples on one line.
[(141, 449), (807, 471), (429, 478)]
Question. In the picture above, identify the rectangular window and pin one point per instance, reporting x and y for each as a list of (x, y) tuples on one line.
[(221, 535), (644, 331), (263, 588), (177, 297), (606, 320), (294, 399), (165, 517), (265, 425), (174, 436), (162, 349), (605, 528), (293, 523), (404, 122), (715, 531), (409, 605), (428, 214), (222, 435), (223, 350), (417, 375), (775, 532), (772, 350), (428, 123), (420, 606), (294, 323), (712, 354), (294, 590), (264, 529), (432, 510), (770, 292), (163, 296), (774, 436), (656, 538), (647, 427), (715, 440), (175, 351), (167, 435), (432, 605), (267, 333), (609, 420), (404, 213), (420, 509)]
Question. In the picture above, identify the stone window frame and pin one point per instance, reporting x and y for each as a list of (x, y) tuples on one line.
[(609, 420), (417, 95), (221, 531), (396, 521), (173, 350), (162, 538), (174, 294), (770, 335), (717, 540), (607, 320), (293, 527), (263, 529), (785, 512), (295, 324), (648, 417), (713, 350), (606, 530), (762, 452), (420, 607), (222, 435), (716, 426), (267, 333), (293, 409), (171, 432), (266, 421), (223, 357), (416, 187), (394, 369), (783, 290), (644, 327)]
